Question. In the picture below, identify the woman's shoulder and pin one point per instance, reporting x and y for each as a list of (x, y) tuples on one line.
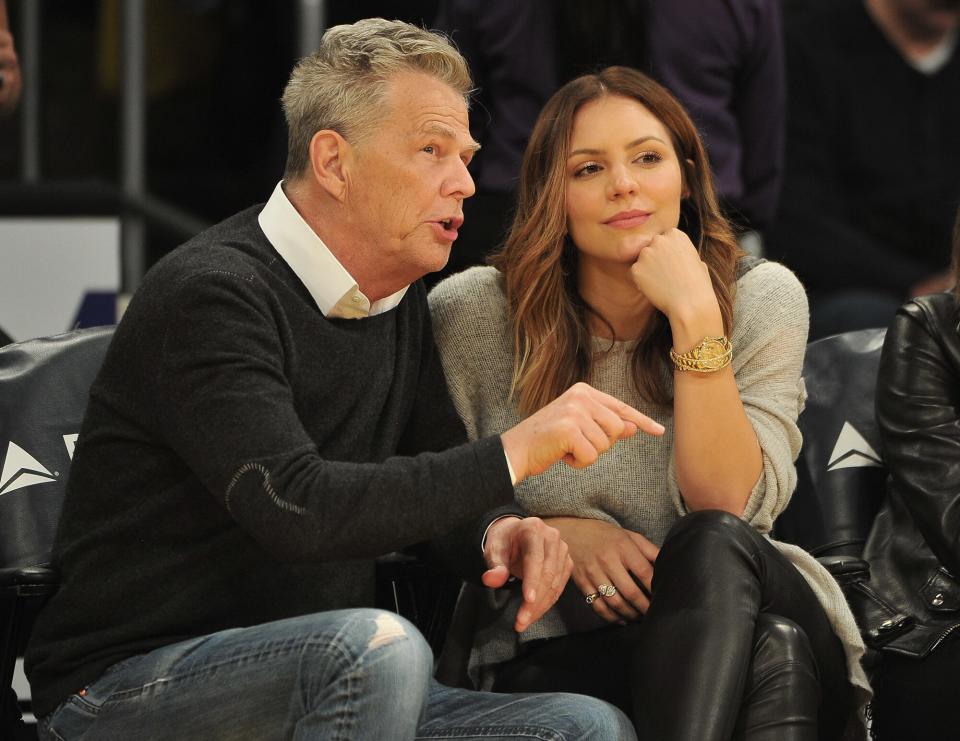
[(471, 325), (769, 298), (769, 274), (480, 283), (476, 292), (770, 283)]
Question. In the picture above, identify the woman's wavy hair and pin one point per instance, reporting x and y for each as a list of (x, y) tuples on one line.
[(552, 342)]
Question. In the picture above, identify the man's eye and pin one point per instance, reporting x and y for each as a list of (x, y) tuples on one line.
[(430, 149)]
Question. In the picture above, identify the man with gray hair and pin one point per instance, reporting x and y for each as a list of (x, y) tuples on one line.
[(270, 416)]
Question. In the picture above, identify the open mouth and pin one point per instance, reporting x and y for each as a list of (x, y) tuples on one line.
[(447, 228)]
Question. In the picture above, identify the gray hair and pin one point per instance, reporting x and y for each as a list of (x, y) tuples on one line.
[(343, 85)]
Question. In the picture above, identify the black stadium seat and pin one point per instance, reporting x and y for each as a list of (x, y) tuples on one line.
[(44, 386), (840, 474)]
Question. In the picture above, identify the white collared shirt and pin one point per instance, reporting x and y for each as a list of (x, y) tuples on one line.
[(333, 288)]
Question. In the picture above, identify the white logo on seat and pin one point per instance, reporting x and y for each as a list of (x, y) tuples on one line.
[(71, 442), (852, 451), (21, 469)]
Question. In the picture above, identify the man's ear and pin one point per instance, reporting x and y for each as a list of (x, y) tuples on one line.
[(330, 156)]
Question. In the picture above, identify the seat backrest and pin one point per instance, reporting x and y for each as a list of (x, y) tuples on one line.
[(840, 474), (44, 386)]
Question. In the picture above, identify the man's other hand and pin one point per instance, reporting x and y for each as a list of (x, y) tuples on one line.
[(533, 552), (576, 428)]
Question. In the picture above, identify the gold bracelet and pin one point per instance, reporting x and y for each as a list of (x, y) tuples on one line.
[(712, 354)]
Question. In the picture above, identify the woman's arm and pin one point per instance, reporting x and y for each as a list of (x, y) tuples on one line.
[(918, 412), (716, 451)]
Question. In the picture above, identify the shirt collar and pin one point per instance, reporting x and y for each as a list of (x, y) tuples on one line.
[(334, 290)]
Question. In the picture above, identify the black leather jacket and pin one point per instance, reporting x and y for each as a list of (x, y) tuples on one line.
[(912, 599)]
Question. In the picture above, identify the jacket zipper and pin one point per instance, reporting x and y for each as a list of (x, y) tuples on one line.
[(943, 635)]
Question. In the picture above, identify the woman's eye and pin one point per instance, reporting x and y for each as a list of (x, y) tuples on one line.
[(586, 169), (648, 158)]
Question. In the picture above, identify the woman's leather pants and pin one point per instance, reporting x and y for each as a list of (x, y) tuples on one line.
[(734, 646), (733, 626)]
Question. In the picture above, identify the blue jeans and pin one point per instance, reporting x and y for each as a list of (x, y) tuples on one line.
[(348, 674)]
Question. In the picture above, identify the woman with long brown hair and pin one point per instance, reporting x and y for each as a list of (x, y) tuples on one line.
[(620, 271)]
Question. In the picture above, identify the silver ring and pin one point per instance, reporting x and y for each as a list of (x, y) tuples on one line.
[(607, 590), (590, 598)]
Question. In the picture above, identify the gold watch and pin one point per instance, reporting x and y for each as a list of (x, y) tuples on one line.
[(712, 354)]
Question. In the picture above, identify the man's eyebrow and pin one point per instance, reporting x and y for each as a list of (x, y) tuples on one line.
[(438, 129), (630, 145)]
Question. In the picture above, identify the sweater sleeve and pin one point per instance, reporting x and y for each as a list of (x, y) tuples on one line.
[(226, 406), (769, 339)]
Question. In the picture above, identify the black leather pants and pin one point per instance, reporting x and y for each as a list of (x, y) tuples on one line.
[(734, 646)]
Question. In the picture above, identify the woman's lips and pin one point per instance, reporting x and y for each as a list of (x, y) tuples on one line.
[(628, 219)]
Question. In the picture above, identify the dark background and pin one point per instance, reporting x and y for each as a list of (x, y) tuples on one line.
[(216, 141)]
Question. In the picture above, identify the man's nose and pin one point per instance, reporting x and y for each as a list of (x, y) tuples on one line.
[(460, 181)]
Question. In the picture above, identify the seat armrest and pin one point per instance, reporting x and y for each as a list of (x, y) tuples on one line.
[(28, 581)]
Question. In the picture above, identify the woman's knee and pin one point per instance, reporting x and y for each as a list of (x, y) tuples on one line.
[(707, 532), (782, 695), (780, 643)]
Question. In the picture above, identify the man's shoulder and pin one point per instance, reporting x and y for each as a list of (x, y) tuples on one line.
[(234, 245), (231, 259)]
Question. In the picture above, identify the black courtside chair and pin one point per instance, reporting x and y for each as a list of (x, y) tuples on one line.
[(44, 385), (841, 478), (840, 474)]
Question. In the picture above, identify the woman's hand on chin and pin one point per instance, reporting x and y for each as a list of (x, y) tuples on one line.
[(670, 273), (605, 554)]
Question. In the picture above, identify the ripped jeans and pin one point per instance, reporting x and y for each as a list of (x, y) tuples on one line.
[(347, 674)]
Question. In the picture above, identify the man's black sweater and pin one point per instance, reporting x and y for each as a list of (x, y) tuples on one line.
[(243, 458)]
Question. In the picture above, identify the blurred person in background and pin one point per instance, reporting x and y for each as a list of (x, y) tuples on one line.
[(11, 81), (873, 155), (10, 84)]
